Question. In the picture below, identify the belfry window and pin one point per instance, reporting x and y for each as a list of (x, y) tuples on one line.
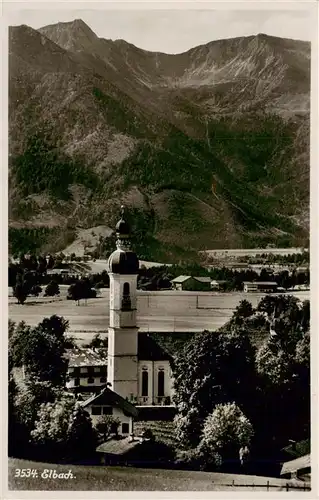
[(144, 382), (126, 301), (160, 382)]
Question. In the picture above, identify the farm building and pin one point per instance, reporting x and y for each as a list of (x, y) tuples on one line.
[(299, 468), (191, 283), (260, 286), (218, 284), (87, 369), (108, 402)]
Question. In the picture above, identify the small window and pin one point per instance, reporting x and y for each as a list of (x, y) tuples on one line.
[(77, 381), (96, 410), (125, 428), (107, 410), (83, 369), (161, 382), (126, 301), (103, 380), (90, 380), (144, 383)]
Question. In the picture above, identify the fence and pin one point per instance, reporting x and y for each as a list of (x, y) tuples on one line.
[(267, 486)]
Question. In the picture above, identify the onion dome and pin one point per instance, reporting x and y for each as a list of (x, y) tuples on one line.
[(123, 260)]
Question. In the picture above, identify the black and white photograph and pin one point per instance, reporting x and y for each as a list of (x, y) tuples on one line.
[(159, 162)]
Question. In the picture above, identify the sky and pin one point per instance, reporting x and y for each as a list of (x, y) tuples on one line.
[(171, 30)]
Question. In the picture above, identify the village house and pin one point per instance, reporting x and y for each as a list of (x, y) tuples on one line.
[(218, 284), (108, 402), (299, 468), (190, 283), (260, 286), (87, 369)]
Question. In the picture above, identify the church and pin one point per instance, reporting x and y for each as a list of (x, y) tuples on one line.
[(136, 365)]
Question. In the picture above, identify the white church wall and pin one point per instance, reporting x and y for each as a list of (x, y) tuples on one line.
[(153, 368), (125, 341), (122, 375)]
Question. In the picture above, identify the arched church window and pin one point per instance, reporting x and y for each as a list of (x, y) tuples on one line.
[(126, 300), (160, 382), (144, 382)]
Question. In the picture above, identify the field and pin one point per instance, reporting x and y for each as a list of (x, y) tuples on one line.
[(88, 478), (167, 311)]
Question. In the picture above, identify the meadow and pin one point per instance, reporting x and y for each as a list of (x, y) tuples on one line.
[(98, 478), (167, 311)]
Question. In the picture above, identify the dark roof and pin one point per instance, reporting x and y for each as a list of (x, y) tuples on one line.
[(123, 262), (111, 398), (296, 465), (161, 346), (117, 446), (202, 279)]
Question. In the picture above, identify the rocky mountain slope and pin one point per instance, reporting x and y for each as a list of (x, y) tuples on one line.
[(209, 148)]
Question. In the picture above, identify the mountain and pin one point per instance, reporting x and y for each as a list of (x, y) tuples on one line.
[(209, 148)]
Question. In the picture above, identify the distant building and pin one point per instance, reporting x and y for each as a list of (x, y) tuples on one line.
[(299, 468), (87, 369), (260, 286), (190, 283), (218, 284)]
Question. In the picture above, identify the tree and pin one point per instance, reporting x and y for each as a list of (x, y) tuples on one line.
[(52, 289), (204, 376), (40, 350), (226, 430), (97, 342), (21, 289), (243, 310), (51, 428), (81, 289), (36, 290), (81, 438), (106, 424)]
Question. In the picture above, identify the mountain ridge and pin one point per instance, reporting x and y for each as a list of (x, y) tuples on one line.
[(128, 131)]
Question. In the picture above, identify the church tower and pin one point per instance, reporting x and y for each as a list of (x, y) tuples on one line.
[(123, 265)]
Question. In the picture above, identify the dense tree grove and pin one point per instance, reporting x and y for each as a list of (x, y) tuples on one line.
[(44, 422), (268, 380)]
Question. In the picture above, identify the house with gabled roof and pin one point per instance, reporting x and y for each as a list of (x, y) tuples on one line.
[(108, 402), (190, 283)]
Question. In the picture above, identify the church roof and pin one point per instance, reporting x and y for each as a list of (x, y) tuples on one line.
[(161, 346), (152, 346), (111, 398), (123, 262)]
